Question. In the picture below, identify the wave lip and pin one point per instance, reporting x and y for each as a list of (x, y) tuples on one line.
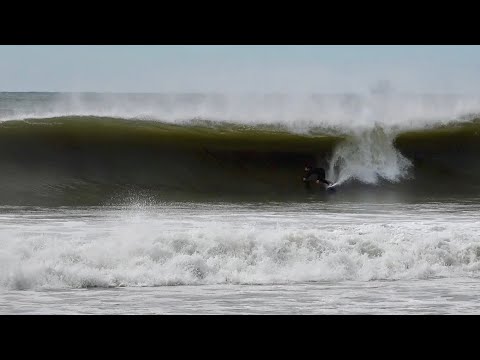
[(300, 113)]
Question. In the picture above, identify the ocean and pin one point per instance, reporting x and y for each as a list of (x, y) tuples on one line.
[(194, 204)]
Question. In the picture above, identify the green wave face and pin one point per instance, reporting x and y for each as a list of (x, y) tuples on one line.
[(93, 160)]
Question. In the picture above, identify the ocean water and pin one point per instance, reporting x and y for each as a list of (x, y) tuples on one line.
[(190, 204)]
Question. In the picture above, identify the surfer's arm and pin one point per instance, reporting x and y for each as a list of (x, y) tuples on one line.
[(325, 181), (307, 175)]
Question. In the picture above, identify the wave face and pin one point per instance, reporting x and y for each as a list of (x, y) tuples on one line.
[(62, 149)]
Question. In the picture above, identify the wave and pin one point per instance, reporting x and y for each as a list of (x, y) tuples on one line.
[(88, 159)]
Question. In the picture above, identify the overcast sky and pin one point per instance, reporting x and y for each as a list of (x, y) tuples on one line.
[(231, 69)]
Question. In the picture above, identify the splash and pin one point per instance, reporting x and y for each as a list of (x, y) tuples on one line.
[(368, 157)]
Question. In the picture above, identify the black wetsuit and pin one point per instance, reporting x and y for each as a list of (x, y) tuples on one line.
[(320, 175)]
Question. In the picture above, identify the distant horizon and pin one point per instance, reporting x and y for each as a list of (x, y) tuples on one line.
[(239, 68), (237, 93)]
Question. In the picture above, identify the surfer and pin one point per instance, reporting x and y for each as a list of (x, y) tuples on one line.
[(319, 172)]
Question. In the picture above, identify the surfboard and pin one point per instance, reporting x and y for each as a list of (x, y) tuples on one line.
[(332, 187)]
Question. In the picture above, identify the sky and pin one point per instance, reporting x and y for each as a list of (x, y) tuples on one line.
[(240, 68)]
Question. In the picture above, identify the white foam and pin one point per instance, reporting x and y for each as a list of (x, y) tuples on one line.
[(155, 251)]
